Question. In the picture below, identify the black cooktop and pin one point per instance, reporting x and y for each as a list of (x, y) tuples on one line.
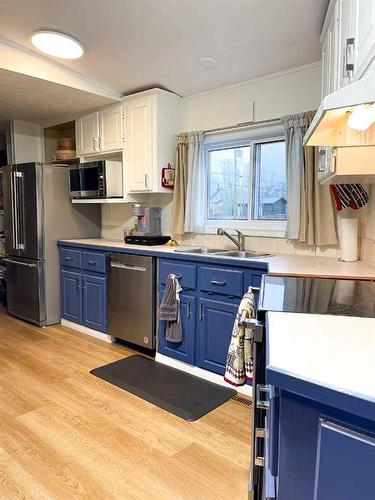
[(318, 296)]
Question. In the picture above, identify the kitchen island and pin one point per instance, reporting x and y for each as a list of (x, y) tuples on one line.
[(320, 426)]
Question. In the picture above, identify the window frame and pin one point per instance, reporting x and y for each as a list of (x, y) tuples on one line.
[(251, 227)]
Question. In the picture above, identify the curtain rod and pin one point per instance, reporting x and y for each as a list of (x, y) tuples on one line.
[(274, 121)]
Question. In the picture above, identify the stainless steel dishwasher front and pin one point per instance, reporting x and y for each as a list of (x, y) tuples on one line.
[(132, 298)]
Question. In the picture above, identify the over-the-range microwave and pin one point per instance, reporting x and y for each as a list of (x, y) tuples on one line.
[(96, 179)]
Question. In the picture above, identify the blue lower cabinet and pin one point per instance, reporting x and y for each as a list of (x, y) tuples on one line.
[(71, 296), (94, 301), (214, 331), (345, 463), (323, 452), (84, 289), (183, 351)]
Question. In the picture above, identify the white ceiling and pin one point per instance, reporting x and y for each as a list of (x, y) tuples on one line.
[(31, 99), (132, 44)]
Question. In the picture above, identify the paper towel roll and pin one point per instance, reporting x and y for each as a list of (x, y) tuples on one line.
[(349, 239)]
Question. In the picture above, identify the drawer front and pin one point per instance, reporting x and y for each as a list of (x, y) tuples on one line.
[(71, 258), (94, 261), (186, 273), (220, 280)]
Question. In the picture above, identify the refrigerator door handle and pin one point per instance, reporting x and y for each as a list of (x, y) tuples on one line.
[(18, 263), (13, 182), (20, 207)]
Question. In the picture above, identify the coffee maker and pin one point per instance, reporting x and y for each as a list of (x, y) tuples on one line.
[(147, 230), (148, 220)]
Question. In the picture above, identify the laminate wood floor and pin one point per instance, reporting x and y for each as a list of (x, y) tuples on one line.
[(67, 434)]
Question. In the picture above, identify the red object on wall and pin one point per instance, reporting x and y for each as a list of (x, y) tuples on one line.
[(167, 177)]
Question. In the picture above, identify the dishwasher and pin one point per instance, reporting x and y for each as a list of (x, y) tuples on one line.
[(132, 298)]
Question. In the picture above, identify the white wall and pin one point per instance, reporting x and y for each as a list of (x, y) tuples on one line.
[(273, 96), (269, 97)]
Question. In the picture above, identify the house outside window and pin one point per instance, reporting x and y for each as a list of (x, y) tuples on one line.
[(246, 181)]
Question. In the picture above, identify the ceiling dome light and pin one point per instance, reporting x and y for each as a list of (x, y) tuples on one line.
[(57, 44), (362, 117)]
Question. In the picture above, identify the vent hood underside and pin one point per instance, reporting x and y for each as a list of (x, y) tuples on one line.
[(329, 126)]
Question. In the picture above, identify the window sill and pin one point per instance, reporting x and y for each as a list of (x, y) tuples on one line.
[(257, 228), (257, 233)]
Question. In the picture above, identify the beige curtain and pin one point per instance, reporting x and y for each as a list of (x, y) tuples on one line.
[(311, 217), (317, 216), (186, 195)]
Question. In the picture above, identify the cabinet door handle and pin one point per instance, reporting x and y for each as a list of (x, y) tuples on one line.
[(146, 181), (69, 259), (349, 55), (77, 283), (188, 310), (95, 143), (201, 312), (83, 285), (218, 283), (92, 262)]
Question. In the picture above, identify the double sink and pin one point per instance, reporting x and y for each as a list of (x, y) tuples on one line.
[(248, 254)]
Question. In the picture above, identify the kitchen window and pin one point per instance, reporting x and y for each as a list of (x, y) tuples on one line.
[(246, 182)]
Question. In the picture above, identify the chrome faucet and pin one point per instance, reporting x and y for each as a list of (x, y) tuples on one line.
[(239, 242)]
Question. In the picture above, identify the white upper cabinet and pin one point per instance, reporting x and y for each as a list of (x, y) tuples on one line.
[(152, 122), (111, 128), (348, 42), (330, 60), (139, 143), (87, 134), (101, 131), (364, 35)]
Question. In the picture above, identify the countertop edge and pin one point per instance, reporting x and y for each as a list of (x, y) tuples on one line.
[(355, 404)]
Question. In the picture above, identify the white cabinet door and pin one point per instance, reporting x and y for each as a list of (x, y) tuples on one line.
[(139, 143), (330, 55), (111, 128), (326, 66), (87, 134), (364, 19)]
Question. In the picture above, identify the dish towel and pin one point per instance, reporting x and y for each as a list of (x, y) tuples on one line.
[(354, 196), (169, 309), (239, 366)]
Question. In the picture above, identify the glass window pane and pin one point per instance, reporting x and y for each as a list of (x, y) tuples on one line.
[(228, 183), (269, 191)]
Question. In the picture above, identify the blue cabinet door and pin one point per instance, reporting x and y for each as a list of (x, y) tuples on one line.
[(183, 351), (71, 297), (215, 324), (345, 464), (94, 304)]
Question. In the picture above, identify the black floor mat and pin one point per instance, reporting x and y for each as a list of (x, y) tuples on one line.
[(180, 393)]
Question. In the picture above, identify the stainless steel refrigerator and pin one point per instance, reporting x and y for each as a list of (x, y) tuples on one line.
[(37, 213)]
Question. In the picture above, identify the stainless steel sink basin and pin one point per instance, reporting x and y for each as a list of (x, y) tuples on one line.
[(197, 250), (243, 255), (223, 253)]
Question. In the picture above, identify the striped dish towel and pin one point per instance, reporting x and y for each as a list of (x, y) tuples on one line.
[(239, 365), (354, 196)]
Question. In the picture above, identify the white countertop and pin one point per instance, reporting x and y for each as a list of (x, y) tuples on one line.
[(278, 265), (337, 352)]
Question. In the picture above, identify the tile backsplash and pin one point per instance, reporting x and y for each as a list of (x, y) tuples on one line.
[(116, 217)]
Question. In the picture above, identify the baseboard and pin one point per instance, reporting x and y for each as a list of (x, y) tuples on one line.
[(199, 372), (87, 331)]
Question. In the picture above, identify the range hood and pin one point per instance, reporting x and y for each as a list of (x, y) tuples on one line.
[(330, 124)]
